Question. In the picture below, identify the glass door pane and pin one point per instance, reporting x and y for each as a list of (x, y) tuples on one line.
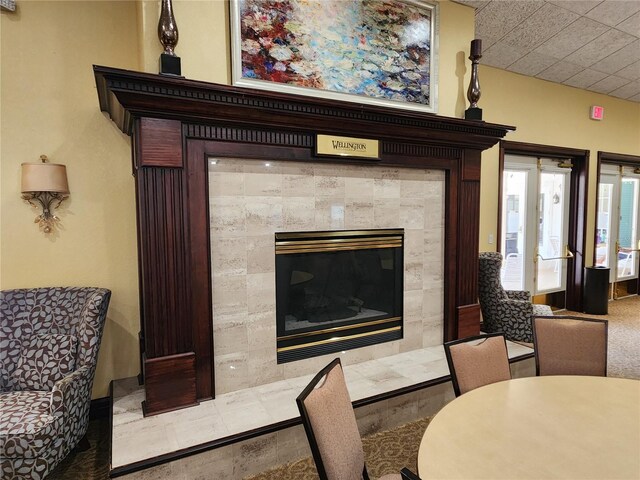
[(552, 198), (535, 209), (628, 229), (603, 221), (514, 216)]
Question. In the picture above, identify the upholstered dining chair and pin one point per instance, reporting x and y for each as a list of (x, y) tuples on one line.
[(49, 341), (570, 345), (330, 424), (506, 311), (477, 361)]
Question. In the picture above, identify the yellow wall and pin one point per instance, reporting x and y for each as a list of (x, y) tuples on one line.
[(203, 43), (455, 33), (561, 119), (49, 106)]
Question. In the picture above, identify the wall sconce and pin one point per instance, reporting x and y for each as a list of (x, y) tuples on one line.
[(45, 183)]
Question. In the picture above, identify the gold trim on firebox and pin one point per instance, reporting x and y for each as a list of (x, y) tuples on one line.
[(338, 329), (338, 339), (337, 233), (329, 242)]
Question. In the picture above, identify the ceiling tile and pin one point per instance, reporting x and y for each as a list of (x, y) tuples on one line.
[(574, 36), (606, 44), (543, 24), (631, 72), (620, 59), (588, 44), (560, 72), (487, 41), (608, 84), (635, 98), (577, 6), (501, 55), (585, 78), (613, 12), (631, 25), (627, 91), (498, 18), (532, 64)]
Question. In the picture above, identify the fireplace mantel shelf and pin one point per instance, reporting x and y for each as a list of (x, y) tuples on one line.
[(126, 94), (176, 124)]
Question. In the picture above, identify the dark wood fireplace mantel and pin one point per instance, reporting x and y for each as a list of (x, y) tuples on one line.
[(176, 124)]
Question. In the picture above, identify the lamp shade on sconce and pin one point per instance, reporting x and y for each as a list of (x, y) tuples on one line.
[(44, 177), (45, 186)]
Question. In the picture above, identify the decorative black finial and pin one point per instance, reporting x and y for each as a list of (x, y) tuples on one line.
[(168, 36), (473, 92)]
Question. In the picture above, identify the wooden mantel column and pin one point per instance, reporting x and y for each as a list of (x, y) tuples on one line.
[(467, 306), (176, 123), (169, 357)]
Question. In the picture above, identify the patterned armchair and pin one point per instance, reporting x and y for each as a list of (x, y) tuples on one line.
[(49, 341), (506, 311)]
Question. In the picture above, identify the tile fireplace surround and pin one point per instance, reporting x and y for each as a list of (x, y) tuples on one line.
[(178, 125), (250, 200), (206, 243)]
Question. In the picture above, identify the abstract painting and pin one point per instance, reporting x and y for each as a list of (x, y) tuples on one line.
[(368, 51)]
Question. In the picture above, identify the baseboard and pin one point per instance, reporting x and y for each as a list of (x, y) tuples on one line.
[(99, 408)]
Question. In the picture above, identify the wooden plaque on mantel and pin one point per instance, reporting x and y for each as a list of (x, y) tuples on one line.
[(176, 123)]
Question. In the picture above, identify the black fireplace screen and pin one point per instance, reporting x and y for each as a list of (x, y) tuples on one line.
[(337, 290)]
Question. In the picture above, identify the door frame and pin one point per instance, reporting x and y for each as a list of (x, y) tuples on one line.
[(533, 234), (612, 159), (578, 194)]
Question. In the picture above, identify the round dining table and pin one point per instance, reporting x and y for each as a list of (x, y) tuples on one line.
[(551, 427)]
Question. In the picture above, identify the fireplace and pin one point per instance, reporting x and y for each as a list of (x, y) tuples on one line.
[(177, 124), (337, 290)]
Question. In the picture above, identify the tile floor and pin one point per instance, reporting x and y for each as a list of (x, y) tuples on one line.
[(135, 438)]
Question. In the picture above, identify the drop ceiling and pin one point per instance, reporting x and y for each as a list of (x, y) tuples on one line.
[(588, 44)]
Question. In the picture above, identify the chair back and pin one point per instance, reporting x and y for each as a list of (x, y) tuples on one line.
[(330, 424), (477, 361), (568, 345), (51, 315), (490, 290)]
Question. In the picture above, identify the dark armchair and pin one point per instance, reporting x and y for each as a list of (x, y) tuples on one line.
[(506, 311), (49, 341)]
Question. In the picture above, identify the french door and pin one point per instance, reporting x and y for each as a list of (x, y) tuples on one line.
[(535, 226), (618, 222)]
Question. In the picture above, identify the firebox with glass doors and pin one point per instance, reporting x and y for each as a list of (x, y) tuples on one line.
[(337, 290)]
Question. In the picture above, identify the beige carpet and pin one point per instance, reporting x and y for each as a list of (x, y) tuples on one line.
[(388, 452), (624, 337), (385, 452)]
